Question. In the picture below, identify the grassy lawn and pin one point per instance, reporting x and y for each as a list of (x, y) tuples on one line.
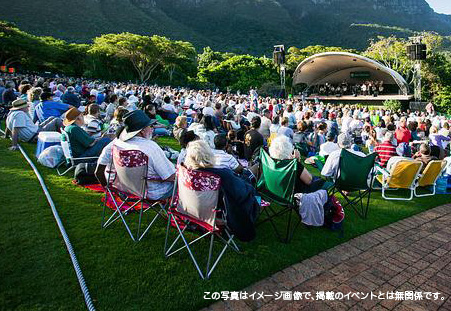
[(36, 272)]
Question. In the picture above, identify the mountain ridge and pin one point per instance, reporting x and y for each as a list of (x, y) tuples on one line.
[(244, 26)]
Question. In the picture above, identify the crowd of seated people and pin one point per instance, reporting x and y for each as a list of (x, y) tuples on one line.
[(229, 129)]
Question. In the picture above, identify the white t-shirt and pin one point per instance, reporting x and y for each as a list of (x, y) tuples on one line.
[(169, 107), (331, 166), (158, 165), (22, 121), (208, 111), (327, 148), (239, 108), (131, 107), (264, 127), (345, 124)]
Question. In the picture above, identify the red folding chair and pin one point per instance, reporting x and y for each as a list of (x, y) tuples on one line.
[(195, 205), (126, 191)]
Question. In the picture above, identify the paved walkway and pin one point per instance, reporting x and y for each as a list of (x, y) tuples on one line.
[(413, 254)]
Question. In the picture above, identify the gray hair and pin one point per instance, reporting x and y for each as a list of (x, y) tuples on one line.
[(281, 148), (388, 136), (344, 141), (199, 155)]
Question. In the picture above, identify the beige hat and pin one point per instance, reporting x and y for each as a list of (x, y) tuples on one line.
[(19, 104), (71, 116)]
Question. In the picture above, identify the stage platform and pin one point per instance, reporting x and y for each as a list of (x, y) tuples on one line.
[(371, 100)]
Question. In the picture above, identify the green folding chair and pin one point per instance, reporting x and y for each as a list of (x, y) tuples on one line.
[(276, 184), (352, 176)]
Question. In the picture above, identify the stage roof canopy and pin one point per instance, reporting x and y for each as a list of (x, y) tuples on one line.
[(336, 67)]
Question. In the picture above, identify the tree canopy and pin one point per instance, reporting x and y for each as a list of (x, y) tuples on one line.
[(132, 57)]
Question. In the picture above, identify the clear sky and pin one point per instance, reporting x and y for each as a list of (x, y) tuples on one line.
[(441, 6)]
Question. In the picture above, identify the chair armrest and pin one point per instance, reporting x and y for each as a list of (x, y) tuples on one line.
[(86, 158), (154, 179), (382, 171)]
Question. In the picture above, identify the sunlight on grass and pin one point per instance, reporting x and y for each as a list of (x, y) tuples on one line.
[(37, 273)]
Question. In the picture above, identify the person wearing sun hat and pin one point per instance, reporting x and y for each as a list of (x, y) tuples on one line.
[(20, 126), (136, 135), (82, 145)]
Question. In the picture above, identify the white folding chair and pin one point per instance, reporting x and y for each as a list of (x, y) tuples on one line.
[(70, 162), (195, 205), (127, 191)]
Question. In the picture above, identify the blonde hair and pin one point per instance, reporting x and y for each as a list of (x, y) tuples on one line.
[(433, 129), (199, 155), (34, 94), (180, 122)]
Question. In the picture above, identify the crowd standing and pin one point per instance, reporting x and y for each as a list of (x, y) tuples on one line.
[(98, 116)]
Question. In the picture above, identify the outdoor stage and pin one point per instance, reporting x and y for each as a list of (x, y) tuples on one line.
[(361, 99)]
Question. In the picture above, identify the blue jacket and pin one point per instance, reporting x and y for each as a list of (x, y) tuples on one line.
[(240, 204)]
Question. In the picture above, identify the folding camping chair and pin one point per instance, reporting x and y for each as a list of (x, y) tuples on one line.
[(352, 176), (271, 138), (195, 205), (429, 177), (402, 175), (127, 190), (70, 162), (277, 184)]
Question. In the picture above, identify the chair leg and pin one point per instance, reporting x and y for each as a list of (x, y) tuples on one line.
[(227, 244), (189, 250), (287, 236), (104, 209), (64, 172), (270, 219), (368, 203), (210, 251), (139, 221), (167, 235), (234, 246), (397, 199), (126, 225), (426, 194), (149, 226)]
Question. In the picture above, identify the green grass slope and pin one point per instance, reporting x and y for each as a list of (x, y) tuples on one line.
[(36, 273)]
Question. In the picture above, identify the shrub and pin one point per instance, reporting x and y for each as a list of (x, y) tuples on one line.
[(393, 105), (443, 100)]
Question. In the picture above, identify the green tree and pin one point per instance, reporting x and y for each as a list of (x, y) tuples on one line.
[(240, 72), (391, 52), (211, 58), (443, 99), (26, 51), (436, 69), (141, 51), (146, 54), (180, 58)]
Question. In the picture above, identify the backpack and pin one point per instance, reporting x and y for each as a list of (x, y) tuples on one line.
[(85, 174), (334, 214)]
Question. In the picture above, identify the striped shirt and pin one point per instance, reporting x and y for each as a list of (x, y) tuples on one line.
[(385, 151), (93, 126), (225, 160)]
